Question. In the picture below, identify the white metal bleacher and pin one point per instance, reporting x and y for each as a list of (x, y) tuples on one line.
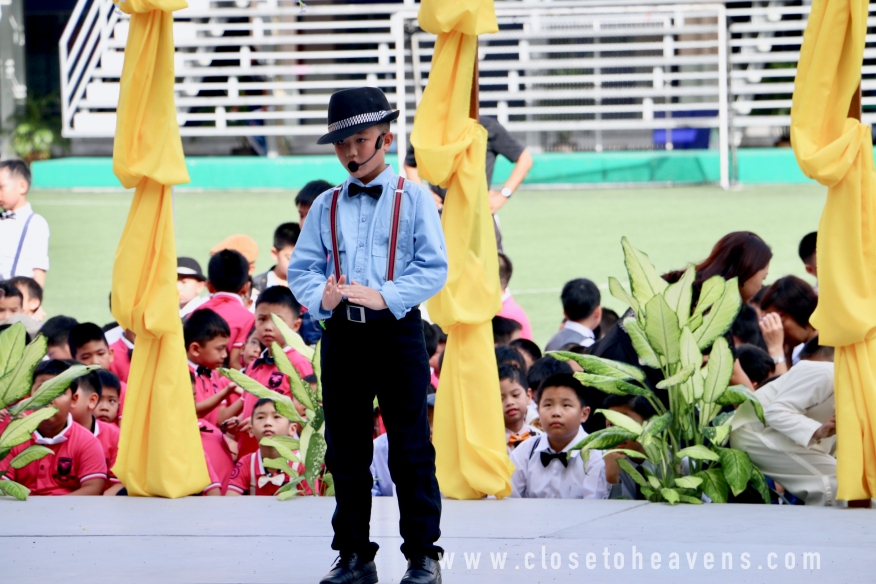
[(578, 75)]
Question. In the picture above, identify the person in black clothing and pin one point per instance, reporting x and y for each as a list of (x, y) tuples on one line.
[(499, 141)]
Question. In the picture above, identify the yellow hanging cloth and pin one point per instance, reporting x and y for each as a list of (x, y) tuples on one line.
[(160, 451), (837, 151), (469, 430)]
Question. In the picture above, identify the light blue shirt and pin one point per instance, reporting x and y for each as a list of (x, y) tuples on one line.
[(363, 239)]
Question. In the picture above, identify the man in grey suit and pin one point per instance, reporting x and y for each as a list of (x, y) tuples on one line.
[(583, 313)]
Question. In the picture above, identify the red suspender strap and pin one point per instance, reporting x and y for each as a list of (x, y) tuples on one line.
[(333, 219), (393, 236)]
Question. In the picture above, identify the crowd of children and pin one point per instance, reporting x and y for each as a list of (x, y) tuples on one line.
[(227, 322)]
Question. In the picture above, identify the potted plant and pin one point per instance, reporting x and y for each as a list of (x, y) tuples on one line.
[(685, 444), (17, 364)]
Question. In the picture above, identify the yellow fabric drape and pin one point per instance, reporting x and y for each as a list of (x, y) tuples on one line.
[(160, 451), (469, 435), (837, 151)]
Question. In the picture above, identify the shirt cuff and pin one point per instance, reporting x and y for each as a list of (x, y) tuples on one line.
[(393, 300)]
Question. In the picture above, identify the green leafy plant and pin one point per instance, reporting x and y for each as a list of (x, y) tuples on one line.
[(685, 453), (310, 448), (17, 364), (37, 128)]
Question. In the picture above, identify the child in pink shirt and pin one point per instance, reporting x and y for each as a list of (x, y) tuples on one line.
[(77, 465), (206, 337), (280, 301), (87, 392), (250, 476), (228, 281)]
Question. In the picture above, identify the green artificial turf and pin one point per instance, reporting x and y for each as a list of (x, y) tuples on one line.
[(551, 236)]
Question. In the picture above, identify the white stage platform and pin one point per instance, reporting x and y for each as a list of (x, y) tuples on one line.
[(260, 540)]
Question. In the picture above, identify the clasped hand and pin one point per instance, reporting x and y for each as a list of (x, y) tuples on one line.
[(355, 293)]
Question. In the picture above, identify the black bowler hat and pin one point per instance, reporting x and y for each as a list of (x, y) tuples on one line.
[(353, 110), (189, 268)]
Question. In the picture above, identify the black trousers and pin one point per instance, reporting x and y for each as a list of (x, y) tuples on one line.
[(386, 358)]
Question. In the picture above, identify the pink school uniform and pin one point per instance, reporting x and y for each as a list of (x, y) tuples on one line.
[(251, 478), (77, 458), (218, 455), (122, 351), (207, 383), (108, 436)]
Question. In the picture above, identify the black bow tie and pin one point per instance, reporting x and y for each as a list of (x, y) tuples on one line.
[(266, 360), (374, 192), (205, 371), (547, 457), (11, 214)]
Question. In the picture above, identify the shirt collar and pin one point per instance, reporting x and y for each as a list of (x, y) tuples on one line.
[(126, 342), (192, 366), (59, 438), (382, 179), (261, 469), (22, 212), (229, 295), (506, 295), (579, 328), (273, 280), (96, 426)]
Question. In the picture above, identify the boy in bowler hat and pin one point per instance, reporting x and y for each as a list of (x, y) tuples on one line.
[(370, 252)]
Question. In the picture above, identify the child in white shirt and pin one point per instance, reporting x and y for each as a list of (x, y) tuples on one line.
[(515, 401), (545, 467)]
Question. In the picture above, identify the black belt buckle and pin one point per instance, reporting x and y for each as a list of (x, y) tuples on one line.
[(356, 313)]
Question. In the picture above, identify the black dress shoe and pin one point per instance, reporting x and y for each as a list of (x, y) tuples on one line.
[(351, 569), (422, 570)]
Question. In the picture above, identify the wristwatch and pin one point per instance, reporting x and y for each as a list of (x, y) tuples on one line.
[(778, 360), (506, 192)]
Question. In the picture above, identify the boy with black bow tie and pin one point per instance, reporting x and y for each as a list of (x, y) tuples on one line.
[(370, 252), (545, 467)]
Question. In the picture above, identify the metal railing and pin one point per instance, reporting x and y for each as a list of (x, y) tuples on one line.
[(563, 75)]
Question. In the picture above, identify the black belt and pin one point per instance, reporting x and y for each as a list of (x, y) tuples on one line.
[(360, 314)]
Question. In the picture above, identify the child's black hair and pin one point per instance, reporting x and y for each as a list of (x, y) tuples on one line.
[(544, 368), (564, 380), (17, 168), (57, 330), (309, 192), (609, 319), (504, 329), (505, 355), (792, 296), (286, 235), (51, 367), (109, 380), (228, 271), (262, 401), (509, 371), (82, 334), (506, 270), (281, 296), (430, 335), (756, 363), (807, 247), (580, 298), (746, 327), (9, 290), (637, 403), (34, 290), (204, 325), (88, 383), (528, 347)]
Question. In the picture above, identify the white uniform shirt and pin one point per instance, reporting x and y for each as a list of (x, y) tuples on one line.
[(578, 480), (34, 248), (383, 485), (795, 405)]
